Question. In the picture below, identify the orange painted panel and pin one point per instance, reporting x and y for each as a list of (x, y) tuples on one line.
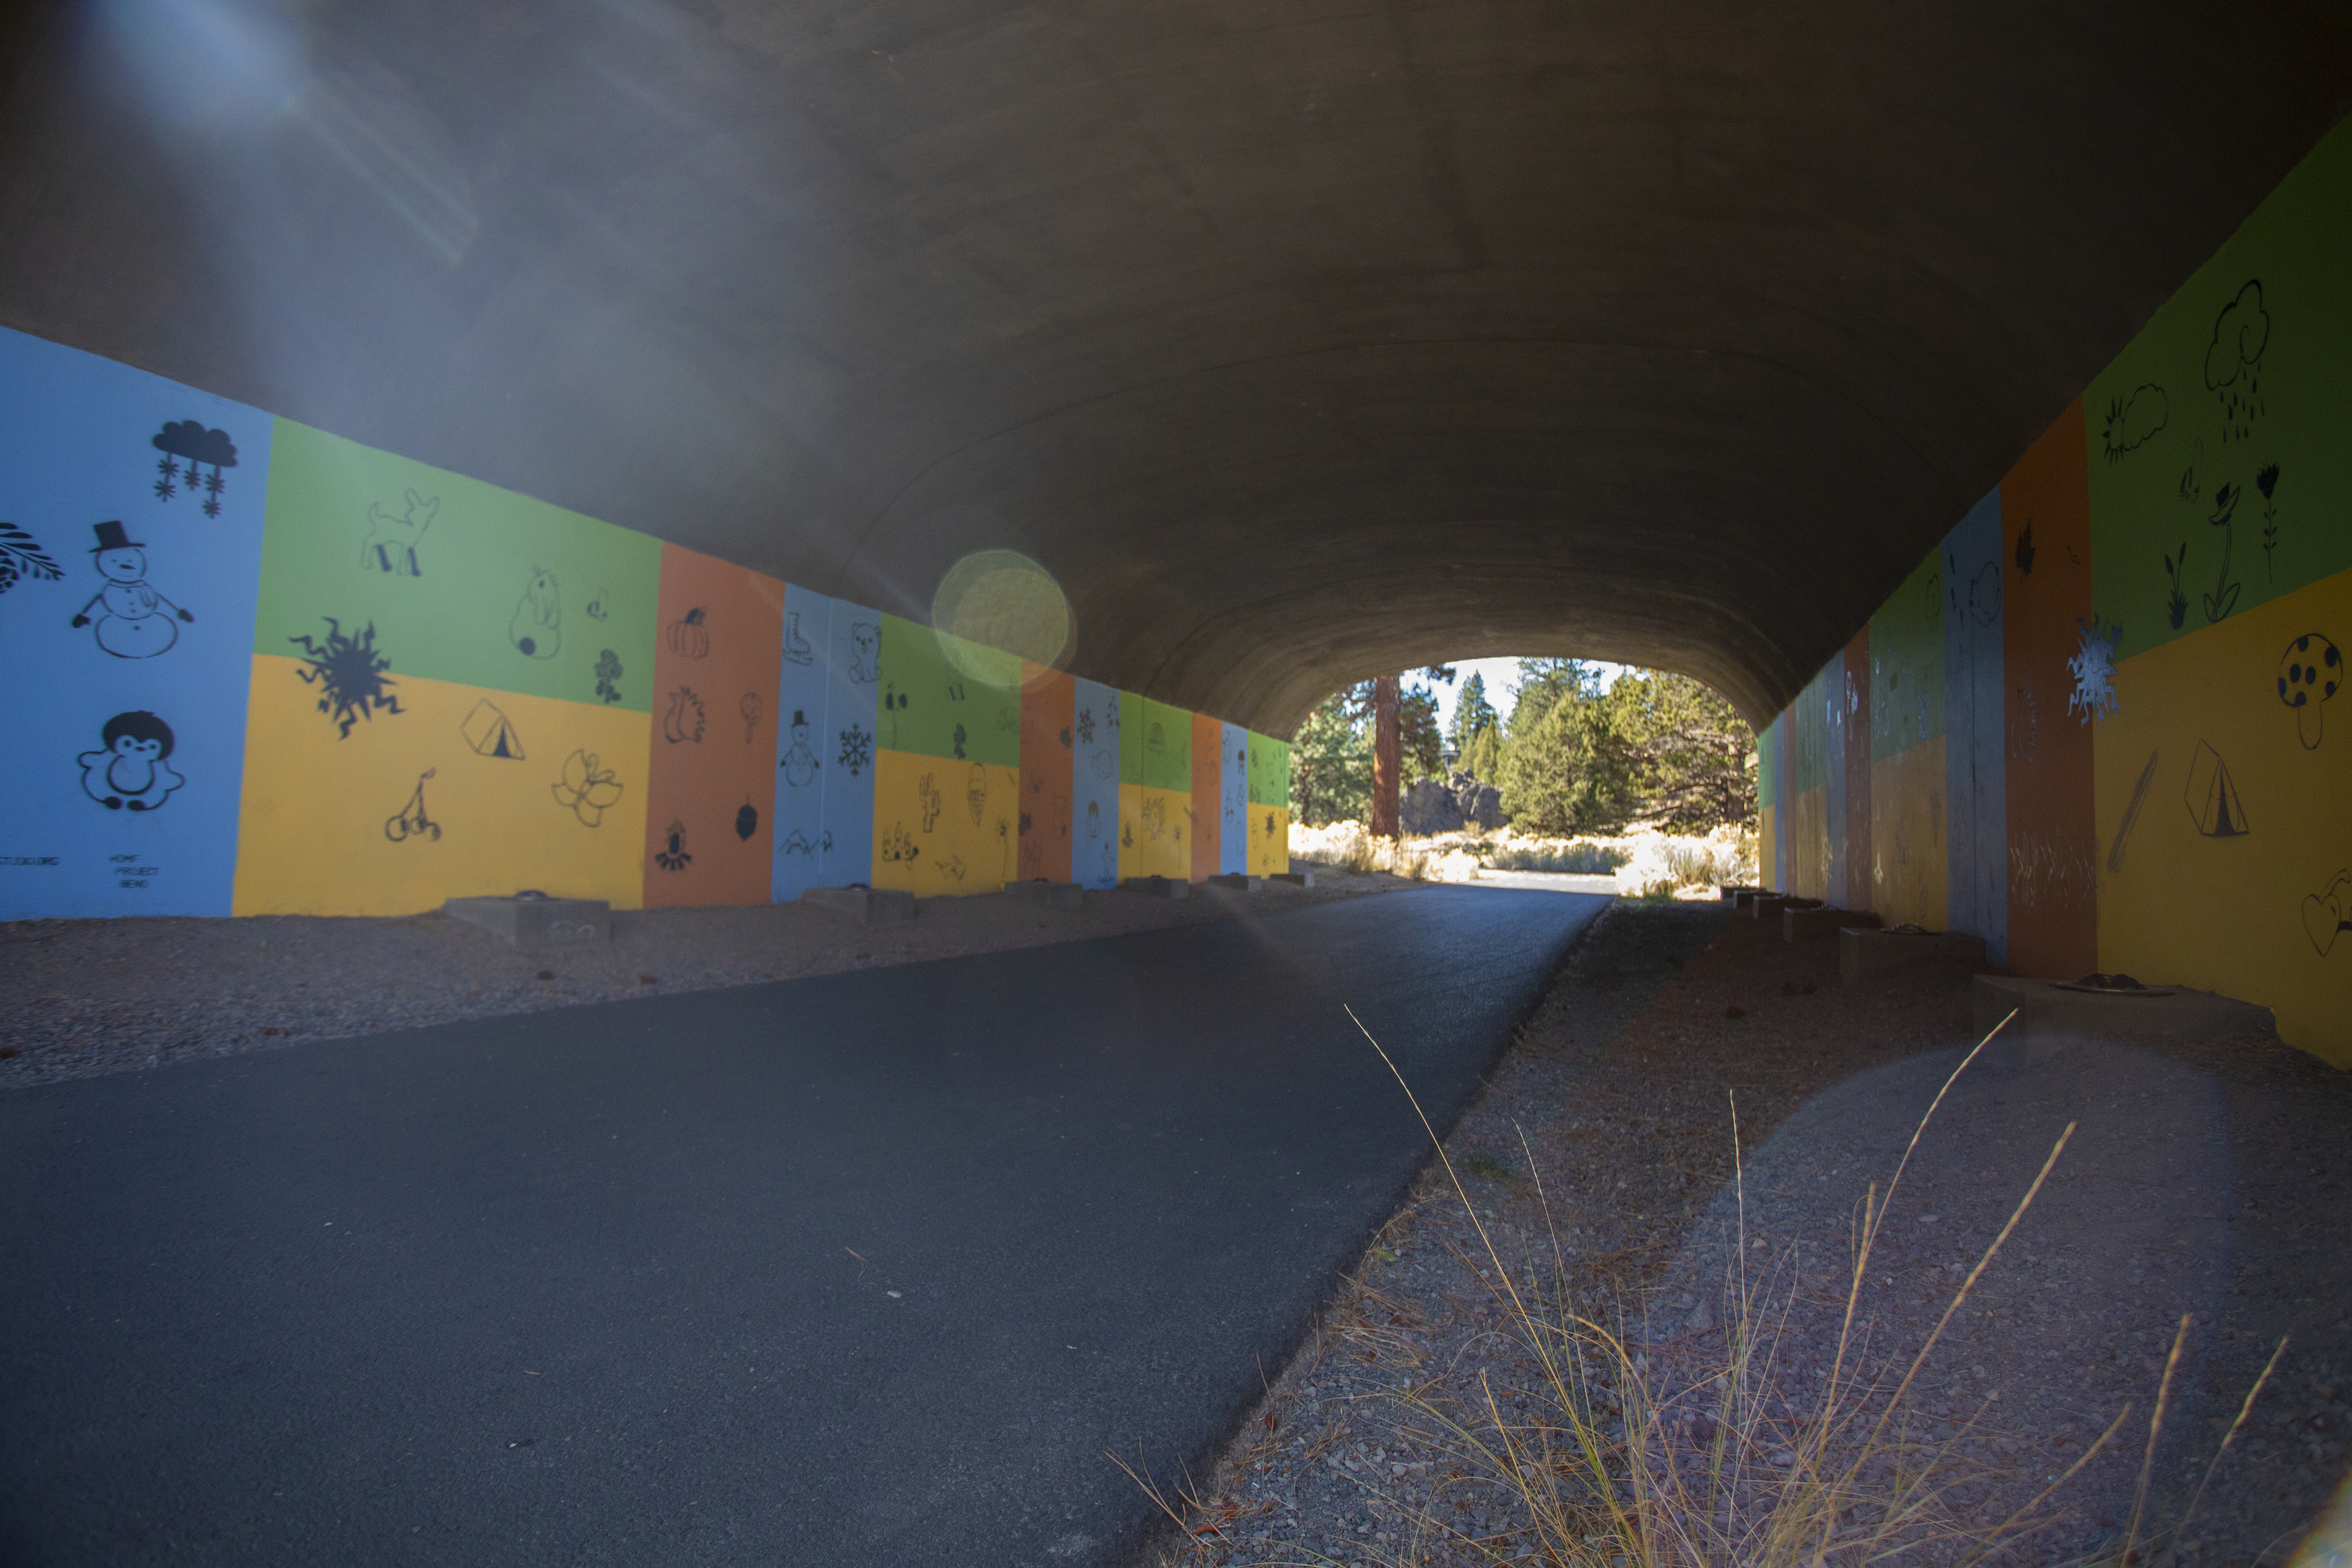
[(1207, 756), (2045, 520), (717, 650), (1049, 700)]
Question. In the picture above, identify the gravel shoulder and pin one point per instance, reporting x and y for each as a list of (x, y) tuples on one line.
[(78, 998), (2206, 1179)]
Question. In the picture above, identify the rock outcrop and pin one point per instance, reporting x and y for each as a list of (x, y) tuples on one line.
[(1449, 805)]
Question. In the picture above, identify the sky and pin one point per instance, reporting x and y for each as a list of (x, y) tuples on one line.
[(1502, 678)]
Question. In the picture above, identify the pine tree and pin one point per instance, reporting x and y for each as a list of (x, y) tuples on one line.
[(1569, 770), (1424, 747), (1471, 713), (1656, 748), (1542, 683), (1331, 765), (1481, 759)]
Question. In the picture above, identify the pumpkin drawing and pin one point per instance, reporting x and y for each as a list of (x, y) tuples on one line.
[(688, 635)]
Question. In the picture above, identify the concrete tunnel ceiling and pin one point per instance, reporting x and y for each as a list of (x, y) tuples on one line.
[(1300, 342)]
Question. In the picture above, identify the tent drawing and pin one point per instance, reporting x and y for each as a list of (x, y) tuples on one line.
[(2212, 796), (492, 733)]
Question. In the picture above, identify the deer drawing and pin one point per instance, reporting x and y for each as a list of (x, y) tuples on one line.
[(391, 541)]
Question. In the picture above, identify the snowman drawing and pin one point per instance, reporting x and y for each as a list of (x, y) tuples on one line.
[(800, 762), (136, 622), (128, 771)]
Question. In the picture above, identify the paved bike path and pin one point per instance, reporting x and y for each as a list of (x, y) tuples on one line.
[(867, 1269)]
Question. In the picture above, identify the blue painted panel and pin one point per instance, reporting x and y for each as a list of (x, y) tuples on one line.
[(852, 685), (166, 646), (1094, 798), (1232, 805), (1976, 790), (803, 758)]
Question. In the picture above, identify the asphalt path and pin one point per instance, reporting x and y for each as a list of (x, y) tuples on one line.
[(868, 1268)]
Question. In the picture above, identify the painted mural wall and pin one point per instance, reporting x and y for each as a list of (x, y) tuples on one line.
[(281, 672), (131, 543), (2103, 720)]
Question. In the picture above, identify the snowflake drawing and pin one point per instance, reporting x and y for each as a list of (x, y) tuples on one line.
[(349, 673), (2093, 669), (856, 750)]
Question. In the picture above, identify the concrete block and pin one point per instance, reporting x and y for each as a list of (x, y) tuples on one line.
[(867, 906), (2049, 1010), (1158, 886), (1294, 879), (1766, 906), (1864, 952), (1797, 924), (1745, 898), (1235, 882), (532, 924), (1060, 894)]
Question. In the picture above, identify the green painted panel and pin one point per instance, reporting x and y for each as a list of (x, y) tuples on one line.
[(462, 581), (2222, 430), (1269, 771), (1167, 747), (1132, 724), (1907, 663), (944, 697), (1809, 733)]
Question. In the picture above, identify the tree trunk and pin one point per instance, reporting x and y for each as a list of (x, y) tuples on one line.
[(1388, 756)]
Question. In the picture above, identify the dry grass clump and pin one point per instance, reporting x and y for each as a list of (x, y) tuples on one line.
[(1587, 857), (1664, 865), (1620, 1449), (1646, 865), (1350, 847)]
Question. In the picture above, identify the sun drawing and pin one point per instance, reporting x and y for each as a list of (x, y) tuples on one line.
[(349, 673)]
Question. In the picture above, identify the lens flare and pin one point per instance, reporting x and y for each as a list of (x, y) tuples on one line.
[(1003, 607)]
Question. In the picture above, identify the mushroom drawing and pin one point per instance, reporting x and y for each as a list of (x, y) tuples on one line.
[(2310, 671)]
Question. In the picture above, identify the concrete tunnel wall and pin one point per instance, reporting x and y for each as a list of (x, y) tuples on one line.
[(261, 669), (2098, 725)]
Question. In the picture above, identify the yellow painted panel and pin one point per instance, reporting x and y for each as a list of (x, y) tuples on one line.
[(1152, 825), (1269, 840), (943, 827), (463, 792), (2226, 859), (1809, 845), (1910, 878)]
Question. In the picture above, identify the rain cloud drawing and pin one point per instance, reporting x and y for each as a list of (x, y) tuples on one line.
[(2233, 361), (186, 441)]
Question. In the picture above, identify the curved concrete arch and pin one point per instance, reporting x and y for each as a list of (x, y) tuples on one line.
[(1298, 344)]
